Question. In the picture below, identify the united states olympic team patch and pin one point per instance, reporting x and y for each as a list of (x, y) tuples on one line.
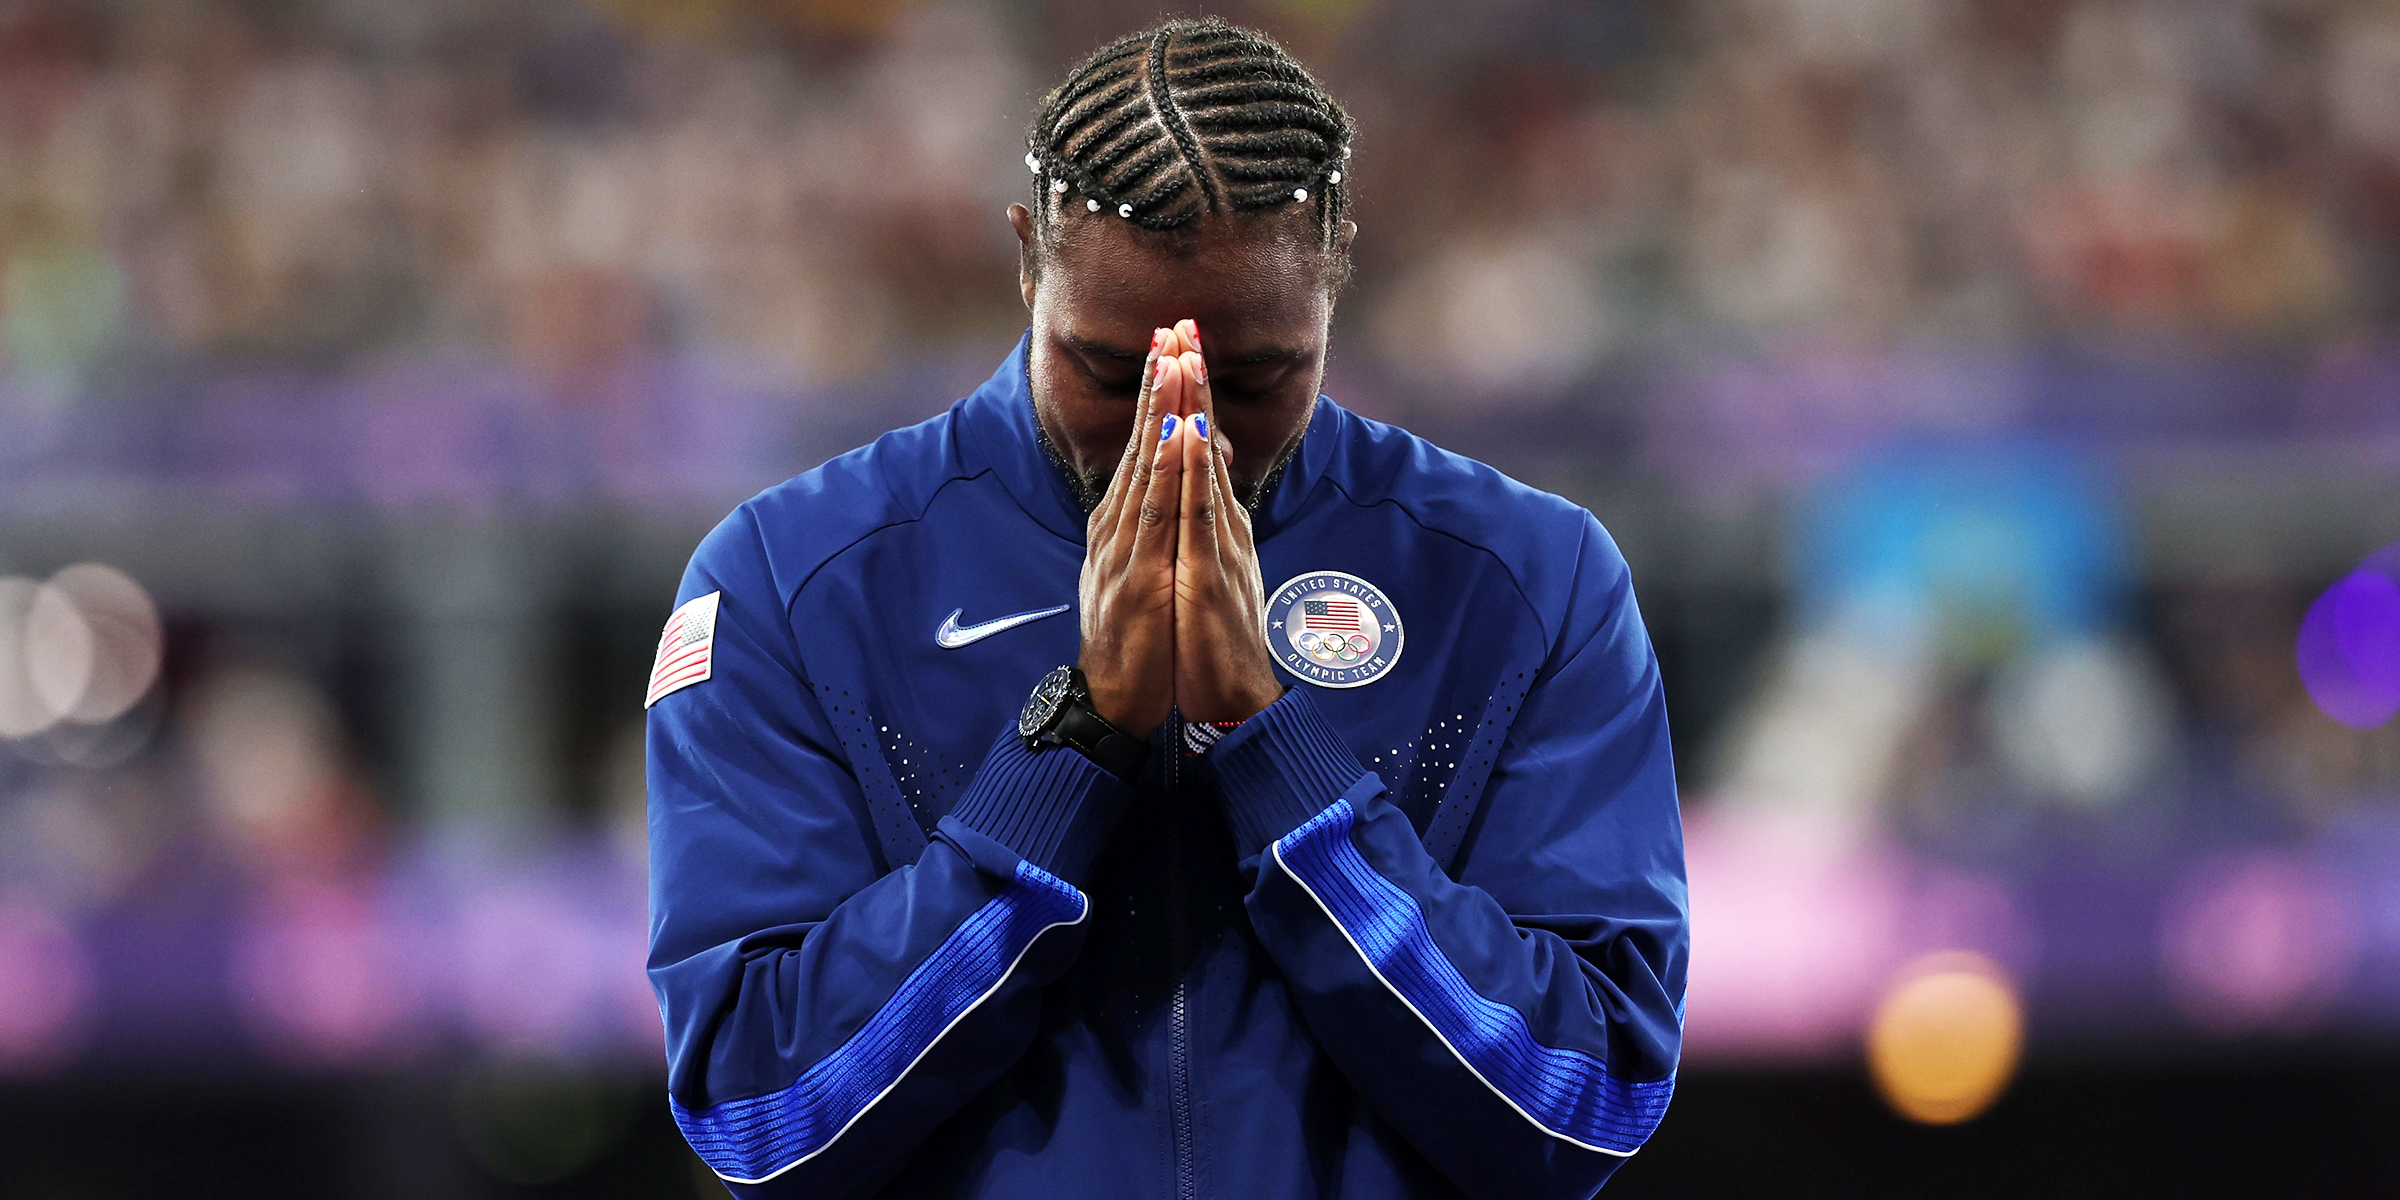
[(1333, 630), (687, 648)]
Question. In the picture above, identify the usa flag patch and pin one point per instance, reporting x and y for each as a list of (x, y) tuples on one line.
[(685, 649)]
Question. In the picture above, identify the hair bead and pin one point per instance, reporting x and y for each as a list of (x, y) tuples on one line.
[(1032, 164), (1091, 206), (1057, 186), (1125, 210), (1336, 177), (1299, 193)]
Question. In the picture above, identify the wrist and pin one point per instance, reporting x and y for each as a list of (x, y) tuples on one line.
[(1061, 713), (1238, 700), (1259, 698), (1116, 707), (1120, 705)]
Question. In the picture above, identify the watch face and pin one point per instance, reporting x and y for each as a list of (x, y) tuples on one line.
[(1048, 697)]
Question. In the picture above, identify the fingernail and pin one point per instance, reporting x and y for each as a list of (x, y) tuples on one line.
[(1194, 334), (1158, 337), (1166, 428), (1200, 424), (1199, 370), (1159, 375)]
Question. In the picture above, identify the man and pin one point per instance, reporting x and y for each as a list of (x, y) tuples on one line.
[(1366, 885)]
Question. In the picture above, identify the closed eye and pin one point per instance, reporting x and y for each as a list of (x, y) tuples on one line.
[(1114, 382), (1117, 372), (1250, 384)]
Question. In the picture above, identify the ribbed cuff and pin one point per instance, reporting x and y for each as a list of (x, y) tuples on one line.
[(1280, 768), (1053, 806)]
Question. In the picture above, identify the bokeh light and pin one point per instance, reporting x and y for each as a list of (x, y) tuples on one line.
[(2084, 720), (2260, 942), (2349, 649), (58, 652), (126, 639), (1792, 927), (319, 976), (82, 648), (1945, 1041), (271, 769), (24, 710)]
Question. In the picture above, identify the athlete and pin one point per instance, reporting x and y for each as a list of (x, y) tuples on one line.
[(1148, 778)]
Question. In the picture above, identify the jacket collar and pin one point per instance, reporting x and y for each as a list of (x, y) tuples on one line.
[(995, 432)]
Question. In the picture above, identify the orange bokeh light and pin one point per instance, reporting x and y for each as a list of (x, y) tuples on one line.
[(1946, 1038)]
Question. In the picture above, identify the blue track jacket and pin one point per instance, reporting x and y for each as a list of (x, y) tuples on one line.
[(1423, 936)]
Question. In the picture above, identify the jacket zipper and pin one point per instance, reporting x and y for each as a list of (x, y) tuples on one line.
[(1179, 1063)]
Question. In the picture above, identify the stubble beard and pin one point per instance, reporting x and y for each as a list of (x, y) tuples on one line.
[(1090, 487)]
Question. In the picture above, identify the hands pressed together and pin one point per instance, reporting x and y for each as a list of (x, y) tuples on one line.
[(1173, 606)]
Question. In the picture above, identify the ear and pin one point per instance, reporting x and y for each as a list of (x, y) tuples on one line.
[(1020, 218)]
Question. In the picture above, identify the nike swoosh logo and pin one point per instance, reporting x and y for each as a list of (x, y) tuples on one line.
[(952, 635)]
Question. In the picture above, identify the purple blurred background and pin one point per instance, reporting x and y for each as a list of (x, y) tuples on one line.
[(1998, 401)]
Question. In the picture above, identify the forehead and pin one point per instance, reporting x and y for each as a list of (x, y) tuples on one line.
[(1256, 275)]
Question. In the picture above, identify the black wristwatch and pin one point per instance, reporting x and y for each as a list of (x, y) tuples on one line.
[(1060, 713)]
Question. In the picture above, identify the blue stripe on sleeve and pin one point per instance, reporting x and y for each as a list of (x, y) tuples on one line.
[(756, 1139), (1567, 1093)]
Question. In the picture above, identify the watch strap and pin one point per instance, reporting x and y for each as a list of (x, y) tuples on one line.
[(1117, 752)]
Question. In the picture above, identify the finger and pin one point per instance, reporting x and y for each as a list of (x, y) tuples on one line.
[(1145, 401), (1203, 500), (1221, 473), (1203, 398), (1195, 526), (1217, 468), (1154, 512), (1175, 395), (1142, 472), (1237, 552), (1108, 515)]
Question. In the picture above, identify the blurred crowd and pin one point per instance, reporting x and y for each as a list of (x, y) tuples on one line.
[(814, 186)]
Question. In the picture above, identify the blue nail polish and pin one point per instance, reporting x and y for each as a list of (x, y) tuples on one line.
[(1200, 425), (1166, 428)]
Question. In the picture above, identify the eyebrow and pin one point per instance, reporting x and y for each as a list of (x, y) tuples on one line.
[(1084, 345), (1098, 349), (1276, 354)]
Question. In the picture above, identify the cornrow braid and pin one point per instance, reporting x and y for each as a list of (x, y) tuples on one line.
[(1191, 117)]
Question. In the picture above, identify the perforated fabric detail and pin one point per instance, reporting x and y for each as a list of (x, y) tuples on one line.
[(896, 823), (931, 785), (1447, 832)]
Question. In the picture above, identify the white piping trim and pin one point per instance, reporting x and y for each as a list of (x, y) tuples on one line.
[(1429, 1025), (937, 1040)]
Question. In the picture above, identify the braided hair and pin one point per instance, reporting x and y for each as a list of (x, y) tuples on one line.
[(1192, 117)]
